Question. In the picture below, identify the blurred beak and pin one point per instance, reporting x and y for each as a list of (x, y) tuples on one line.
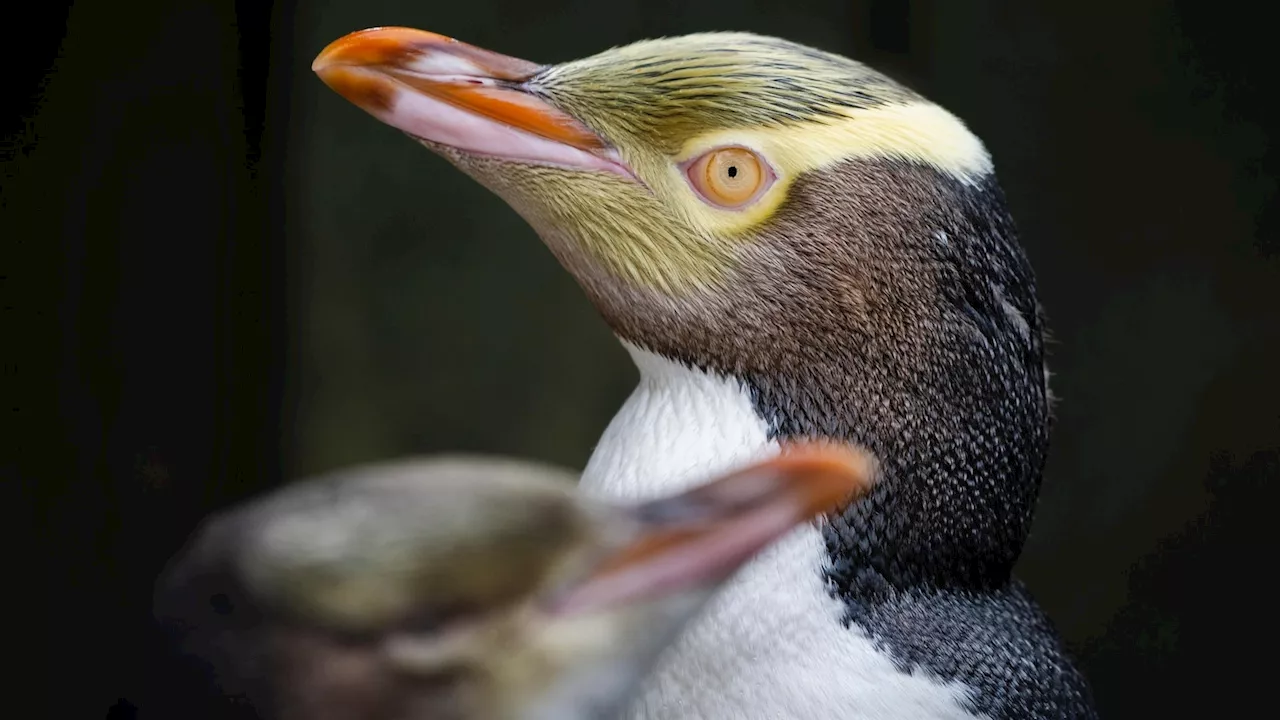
[(448, 92), (698, 539)]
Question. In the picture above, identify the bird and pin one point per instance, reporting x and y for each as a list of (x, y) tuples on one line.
[(464, 587), (789, 244)]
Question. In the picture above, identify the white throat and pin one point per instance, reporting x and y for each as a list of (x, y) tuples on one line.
[(771, 645), (679, 428)]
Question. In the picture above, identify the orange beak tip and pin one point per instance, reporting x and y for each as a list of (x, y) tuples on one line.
[(445, 91)]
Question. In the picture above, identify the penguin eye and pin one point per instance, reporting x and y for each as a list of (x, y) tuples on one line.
[(729, 177)]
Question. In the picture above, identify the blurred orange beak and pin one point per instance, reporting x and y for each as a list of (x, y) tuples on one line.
[(700, 537), (451, 93)]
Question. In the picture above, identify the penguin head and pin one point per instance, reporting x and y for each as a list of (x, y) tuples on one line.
[(764, 210), (466, 588), (663, 167)]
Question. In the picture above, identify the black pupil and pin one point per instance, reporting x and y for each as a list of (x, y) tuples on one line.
[(733, 171)]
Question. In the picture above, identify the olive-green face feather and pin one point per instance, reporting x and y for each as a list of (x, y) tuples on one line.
[(356, 552), (661, 104)]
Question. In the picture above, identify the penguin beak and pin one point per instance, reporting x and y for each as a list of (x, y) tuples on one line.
[(444, 91), (696, 540)]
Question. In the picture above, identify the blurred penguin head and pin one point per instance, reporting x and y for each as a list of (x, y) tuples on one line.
[(468, 588)]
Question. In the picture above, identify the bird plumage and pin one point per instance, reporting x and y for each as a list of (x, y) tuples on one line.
[(464, 588), (873, 292)]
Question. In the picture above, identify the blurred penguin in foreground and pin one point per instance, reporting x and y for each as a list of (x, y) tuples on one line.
[(468, 588)]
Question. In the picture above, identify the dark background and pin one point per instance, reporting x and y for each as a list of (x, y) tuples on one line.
[(217, 274)]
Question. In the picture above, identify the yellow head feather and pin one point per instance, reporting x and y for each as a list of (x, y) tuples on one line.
[(665, 102)]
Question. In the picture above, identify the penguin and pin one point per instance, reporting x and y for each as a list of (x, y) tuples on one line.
[(468, 587), (790, 245)]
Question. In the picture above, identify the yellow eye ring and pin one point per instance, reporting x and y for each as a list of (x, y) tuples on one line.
[(730, 177)]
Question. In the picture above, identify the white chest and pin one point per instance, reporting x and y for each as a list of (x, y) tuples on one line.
[(770, 646)]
